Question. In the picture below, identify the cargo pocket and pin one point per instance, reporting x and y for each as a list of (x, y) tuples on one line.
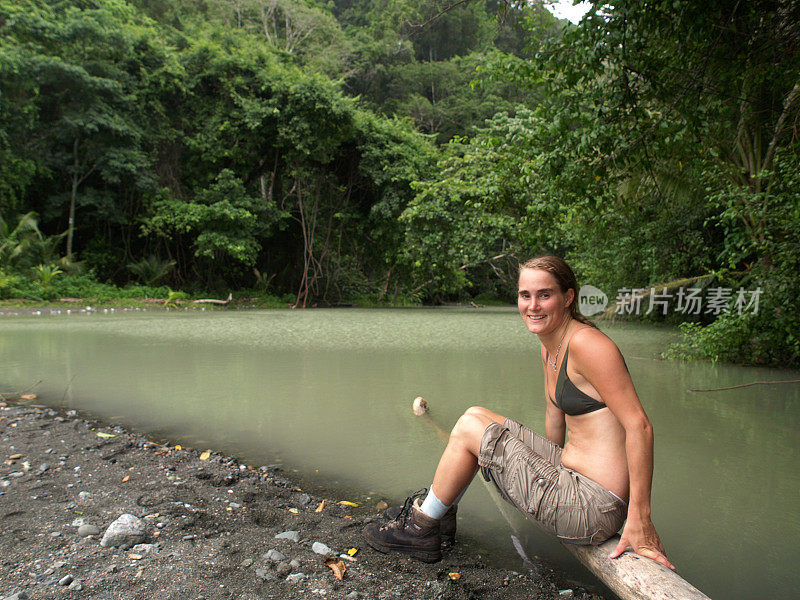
[(609, 520)]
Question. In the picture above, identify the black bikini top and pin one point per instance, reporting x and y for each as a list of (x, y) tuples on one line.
[(569, 398)]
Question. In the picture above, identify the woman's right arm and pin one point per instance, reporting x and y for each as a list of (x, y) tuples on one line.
[(555, 423)]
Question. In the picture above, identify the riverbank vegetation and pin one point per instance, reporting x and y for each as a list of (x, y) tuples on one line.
[(406, 152)]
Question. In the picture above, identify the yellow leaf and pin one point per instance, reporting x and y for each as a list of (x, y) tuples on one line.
[(348, 503), (178, 447), (352, 551), (294, 511), (205, 455), (337, 566), (454, 576), (126, 479), (320, 507), (103, 434)]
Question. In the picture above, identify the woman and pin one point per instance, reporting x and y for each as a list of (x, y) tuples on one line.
[(580, 491)]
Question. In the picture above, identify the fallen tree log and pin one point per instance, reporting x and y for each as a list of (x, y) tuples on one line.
[(630, 576), (213, 301), (634, 577)]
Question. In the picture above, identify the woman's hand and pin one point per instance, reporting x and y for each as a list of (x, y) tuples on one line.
[(640, 534)]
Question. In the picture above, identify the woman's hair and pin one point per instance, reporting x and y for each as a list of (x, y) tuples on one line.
[(559, 269)]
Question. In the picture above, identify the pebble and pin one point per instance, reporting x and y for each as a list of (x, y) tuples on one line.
[(84, 496), (247, 563), (283, 569), (58, 564), (289, 535), (18, 596), (127, 530), (297, 577), (186, 538), (55, 534), (112, 569), (87, 530), (565, 593), (265, 574), (42, 468), (75, 585), (66, 580), (295, 564), (380, 506), (5, 484), (234, 505), (275, 556), (321, 548), (354, 595), (304, 499), (146, 548)]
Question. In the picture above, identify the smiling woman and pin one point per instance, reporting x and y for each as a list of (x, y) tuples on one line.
[(579, 490)]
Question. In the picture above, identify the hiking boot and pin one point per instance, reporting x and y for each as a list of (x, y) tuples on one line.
[(411, 532), (447, 525)]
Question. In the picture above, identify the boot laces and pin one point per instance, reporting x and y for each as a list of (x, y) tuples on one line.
[(405, 511)]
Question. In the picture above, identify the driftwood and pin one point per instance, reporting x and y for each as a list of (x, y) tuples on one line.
[(630, 576), (213, 301), (744, 385), (634, 577)]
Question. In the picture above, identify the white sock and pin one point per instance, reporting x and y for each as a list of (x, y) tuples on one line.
[(435, 508)]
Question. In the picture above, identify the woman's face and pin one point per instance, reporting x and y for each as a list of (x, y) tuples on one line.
[(542, 304)]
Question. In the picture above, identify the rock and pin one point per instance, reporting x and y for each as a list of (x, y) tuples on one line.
[(55, 534), (294, 577), (234, 505), (84, 496), (321, 548), (274, 556), (283, 569), (87, 530), (112, 569), (5, 484), (381, 506), (75, 585), (66, 580), (353, 595), (304, 499), (42, 468), (189, 537), (58, 564), (246, 563), (565, 594), (125, 531), (289, 535), (146, 548), (265, 574), (18, 596), (295, 564)]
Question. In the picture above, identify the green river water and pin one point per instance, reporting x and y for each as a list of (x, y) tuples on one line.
[(327, 393)]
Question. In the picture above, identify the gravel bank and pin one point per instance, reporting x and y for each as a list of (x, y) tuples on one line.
[(92, 511)]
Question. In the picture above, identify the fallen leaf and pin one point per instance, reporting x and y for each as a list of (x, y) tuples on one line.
[(103, 434), (205, 455), (178, 447), (320, 507), (454, 576), (352, 551), (294, 511), (135, 556), (348, 503), (126, 479), (28, 397), (381, 505), (337, 566)]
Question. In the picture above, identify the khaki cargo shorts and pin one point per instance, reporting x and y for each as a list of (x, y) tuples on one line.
[(526, 469)]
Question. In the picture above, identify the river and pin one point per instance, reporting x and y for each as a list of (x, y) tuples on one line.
[(327, 393)]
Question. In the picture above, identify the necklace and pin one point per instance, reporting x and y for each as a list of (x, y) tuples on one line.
[(555, 359)]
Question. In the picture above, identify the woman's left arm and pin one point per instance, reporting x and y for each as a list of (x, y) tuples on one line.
[(598, 359)]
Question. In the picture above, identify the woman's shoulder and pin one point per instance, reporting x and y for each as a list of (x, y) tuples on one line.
[(589, 343)]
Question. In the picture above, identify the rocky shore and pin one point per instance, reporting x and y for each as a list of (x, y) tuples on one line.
[(92, 511)]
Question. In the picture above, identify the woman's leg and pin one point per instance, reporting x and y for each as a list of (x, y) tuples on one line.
[(459, 462)]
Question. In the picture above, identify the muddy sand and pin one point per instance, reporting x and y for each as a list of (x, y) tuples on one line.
[(203, 526)]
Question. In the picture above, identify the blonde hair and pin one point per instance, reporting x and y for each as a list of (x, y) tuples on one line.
[(563, 274)]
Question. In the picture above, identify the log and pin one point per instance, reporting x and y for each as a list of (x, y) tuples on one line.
[(630, 576), (634, 577), (213, 301)]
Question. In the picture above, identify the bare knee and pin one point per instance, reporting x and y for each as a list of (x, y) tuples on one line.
[(470, 426), (484, 414)]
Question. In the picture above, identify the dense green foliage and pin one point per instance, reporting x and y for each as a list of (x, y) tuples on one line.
[(404, 151)]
